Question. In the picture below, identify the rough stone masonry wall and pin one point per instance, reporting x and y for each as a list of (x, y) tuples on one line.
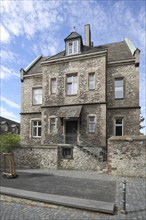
[(82, 68), (81, 161), (129, 74), (37, 157), (127, 156)]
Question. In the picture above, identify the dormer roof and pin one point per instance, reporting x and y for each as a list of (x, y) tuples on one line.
[(72, 35)]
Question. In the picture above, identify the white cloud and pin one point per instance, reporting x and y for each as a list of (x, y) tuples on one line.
[(7, 73), (4, 34), (29, 17), (10, 103), (8, 56), (10, 115)]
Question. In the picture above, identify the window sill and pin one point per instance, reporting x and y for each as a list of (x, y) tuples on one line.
[(71, 95), (91, 89), (67, 158), (36, 104), (119, 98), (53, 133)]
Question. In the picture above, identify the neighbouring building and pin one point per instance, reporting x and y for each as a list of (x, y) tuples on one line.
[(7, 125), (74, 101)]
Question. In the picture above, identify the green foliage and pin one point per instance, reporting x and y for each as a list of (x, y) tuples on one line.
[(141, 120), (9, 142)]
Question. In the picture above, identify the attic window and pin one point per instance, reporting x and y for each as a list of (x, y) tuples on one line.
[(72, 47)]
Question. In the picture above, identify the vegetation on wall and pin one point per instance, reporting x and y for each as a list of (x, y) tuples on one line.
[(9, 142), (141, 120)]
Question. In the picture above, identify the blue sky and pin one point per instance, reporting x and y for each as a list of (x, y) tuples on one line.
[(33, 27)]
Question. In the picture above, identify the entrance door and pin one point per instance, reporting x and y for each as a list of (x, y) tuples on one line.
[(71, 132)]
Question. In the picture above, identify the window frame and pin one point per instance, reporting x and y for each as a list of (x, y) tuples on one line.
[(55, 124), (70, 156), (51, 88), (91, 74), (72, 48), (93, 123), (72, 83), (118, 125), (37, 128), (119, 79), (33, 89), (52, 131)]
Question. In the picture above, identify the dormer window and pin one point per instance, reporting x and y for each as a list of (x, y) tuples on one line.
[(73, 44), (72, 47)]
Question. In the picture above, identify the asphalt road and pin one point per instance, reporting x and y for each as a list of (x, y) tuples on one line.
[(100, 190)]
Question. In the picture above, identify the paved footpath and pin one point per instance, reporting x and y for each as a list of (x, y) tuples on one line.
[(18, 209)]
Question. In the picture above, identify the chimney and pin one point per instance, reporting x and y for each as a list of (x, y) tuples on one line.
[(87, 35)]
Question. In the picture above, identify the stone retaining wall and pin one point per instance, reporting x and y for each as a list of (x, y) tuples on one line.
[(127, 156), (37, 157), (50, 158), (82, 161)]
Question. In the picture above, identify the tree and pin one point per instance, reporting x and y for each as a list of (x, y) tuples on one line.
[(8, 143)]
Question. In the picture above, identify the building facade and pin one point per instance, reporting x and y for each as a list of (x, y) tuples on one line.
[(80, 97)]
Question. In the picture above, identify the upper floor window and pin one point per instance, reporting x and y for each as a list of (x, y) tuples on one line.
[(71, 84), (52, 125), (118, 126), (36, 128), (53, 86), (37, 96), (91, 81), (119, 89), (72, 47), (91, 124)]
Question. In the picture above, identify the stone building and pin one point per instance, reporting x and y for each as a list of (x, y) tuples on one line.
[(74, 101)]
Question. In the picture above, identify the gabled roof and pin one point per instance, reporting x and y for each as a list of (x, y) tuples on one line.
[(72, 35), (6, 120), (115, 51), (35, 66), (32, 63)]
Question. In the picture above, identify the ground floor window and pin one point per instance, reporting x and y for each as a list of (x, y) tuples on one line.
[(91, 124), (53, 124), (67, 152), (36, 128), (118, 126)]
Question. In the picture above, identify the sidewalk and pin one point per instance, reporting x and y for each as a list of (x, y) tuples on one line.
[(85, 185)]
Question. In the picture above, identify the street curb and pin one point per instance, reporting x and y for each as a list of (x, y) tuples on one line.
[(67, 201)]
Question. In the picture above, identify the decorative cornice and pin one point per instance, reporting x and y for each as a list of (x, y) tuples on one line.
[(27, 113), (75, 57), (31, 75), (121, 62), (123, 107), (93, 103)]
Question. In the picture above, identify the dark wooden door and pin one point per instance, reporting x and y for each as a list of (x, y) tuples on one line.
[(71, 132)]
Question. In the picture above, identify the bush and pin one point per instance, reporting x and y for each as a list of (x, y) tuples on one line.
[(9, 142)]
